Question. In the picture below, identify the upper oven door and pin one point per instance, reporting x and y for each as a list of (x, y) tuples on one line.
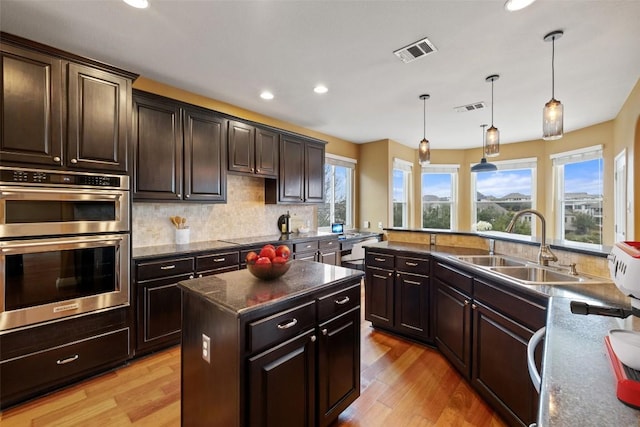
[(39, 211)]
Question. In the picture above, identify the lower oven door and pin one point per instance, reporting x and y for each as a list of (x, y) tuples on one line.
[(47, 279)]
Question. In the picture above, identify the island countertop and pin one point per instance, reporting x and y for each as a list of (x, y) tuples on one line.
[(240, 292)]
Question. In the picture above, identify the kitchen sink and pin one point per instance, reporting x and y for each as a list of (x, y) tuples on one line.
[(492, 261), (530, 274)]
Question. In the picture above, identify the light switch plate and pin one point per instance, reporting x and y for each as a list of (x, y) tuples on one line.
[(380, 225), (366, 224)]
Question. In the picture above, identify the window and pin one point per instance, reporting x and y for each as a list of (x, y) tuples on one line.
[(578, 176), (401, 192), (500, 194), (339, 189), (438, 196)]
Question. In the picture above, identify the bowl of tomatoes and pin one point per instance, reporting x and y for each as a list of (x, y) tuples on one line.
[(270, 263)]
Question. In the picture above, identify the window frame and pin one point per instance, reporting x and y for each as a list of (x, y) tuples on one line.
[(407, 177), (507, 165), (454, 171), (559, 161), (333, 160)]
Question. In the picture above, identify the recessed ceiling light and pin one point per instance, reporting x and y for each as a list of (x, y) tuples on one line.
[(266, 95), (320, 89), (513, 5), (139, 4)]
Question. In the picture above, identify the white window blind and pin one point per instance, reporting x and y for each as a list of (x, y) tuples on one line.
[(575, 156)]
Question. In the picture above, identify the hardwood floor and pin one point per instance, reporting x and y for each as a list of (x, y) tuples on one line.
[(403, 384)]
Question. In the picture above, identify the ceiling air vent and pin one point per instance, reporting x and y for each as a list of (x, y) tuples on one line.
[(470, 107), (415, 50)]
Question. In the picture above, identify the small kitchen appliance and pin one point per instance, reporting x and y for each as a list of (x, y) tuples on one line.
[(624, 267), (284, 223)]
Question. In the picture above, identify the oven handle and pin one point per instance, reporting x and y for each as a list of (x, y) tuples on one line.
[(26, 246), (66, 194)]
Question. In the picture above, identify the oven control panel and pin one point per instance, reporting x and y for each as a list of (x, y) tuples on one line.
[(57, 178)]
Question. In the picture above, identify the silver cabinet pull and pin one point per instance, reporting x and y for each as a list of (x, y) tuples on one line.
[(324, 332), (179, 196), (313, 338), (200, 275), (187, 196), (191, 277), (380, 259), (342, 301), (466, 302), (411, 264), (288, 325), (168, 267), (74, 161), (219, 259), (474, 306), (67, 360), (56, 159)]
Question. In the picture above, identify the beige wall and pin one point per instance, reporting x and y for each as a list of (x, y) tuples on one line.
[(375, 170)]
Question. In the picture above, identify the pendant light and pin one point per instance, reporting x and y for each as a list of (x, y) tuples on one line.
[(552, 112), (424, 152), (483, 166), (493, 134)]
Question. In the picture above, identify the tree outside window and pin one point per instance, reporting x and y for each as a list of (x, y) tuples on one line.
[(438, 197), (338, 200)]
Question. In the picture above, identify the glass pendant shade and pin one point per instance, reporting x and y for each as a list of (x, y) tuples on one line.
[(424, 152), (484, 166), (552, 120), (492, 149)]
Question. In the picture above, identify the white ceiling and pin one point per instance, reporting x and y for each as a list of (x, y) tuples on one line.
[(232, 50)]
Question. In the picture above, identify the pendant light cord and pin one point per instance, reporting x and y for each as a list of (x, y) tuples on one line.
[(553, 71), (424, 118), (492, 80)]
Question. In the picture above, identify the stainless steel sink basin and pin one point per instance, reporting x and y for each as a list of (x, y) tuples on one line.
[(530, 274), (492, 261)]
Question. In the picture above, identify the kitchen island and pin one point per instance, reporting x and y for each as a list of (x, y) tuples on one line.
[(279, 353)]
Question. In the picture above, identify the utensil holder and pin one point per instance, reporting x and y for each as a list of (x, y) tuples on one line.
[(182, 236)]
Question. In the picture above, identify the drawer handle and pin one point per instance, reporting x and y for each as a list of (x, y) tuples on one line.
[(380, 259), (308, 246), (168, 267), (342, 301), (67, 360), (293, 322), (411, 264), (219, 260), (325, 332)]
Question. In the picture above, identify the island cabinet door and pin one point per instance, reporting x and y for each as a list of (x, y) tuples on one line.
[(379, 296), (282, 384), (338, 365)]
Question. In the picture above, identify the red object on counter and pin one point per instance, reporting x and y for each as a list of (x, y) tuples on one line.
[(627, 389)]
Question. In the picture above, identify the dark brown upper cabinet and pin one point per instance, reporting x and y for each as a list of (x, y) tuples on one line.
[(252, 150), (179, 151), (61, 110), (301, 178)]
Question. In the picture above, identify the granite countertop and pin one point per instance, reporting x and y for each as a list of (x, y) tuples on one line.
[(240, 292), (578, 386), (233, 243)]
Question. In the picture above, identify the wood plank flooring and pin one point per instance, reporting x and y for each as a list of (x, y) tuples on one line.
[(403, 384)]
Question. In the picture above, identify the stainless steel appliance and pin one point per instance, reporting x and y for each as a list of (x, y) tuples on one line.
[(64, 244)]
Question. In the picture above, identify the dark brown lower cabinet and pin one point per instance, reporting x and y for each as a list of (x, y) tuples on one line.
[(282, 384), (483, 329), (36, 360)]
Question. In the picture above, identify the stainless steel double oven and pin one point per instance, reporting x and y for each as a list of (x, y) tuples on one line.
[(64, 244)]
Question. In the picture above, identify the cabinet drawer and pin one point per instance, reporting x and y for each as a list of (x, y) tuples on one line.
[(32, 374), (217, 261), (375, 259), (305, 246), (329, 245), (338, 302), (412, 265), (455, 278), (528, 312), (280, 326), (164, 268)]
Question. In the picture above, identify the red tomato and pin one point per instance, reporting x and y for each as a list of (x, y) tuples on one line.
[(251, 257), (268, 252), (263, 261), (283, 251)]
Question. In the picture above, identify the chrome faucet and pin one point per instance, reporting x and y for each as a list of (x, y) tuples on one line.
[(544, 255)]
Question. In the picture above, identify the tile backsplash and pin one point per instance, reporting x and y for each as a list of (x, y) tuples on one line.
[(245, 214)]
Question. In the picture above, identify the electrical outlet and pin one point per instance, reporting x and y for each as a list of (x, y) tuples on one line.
[(366, 224), (206, 348), (380, 225)]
